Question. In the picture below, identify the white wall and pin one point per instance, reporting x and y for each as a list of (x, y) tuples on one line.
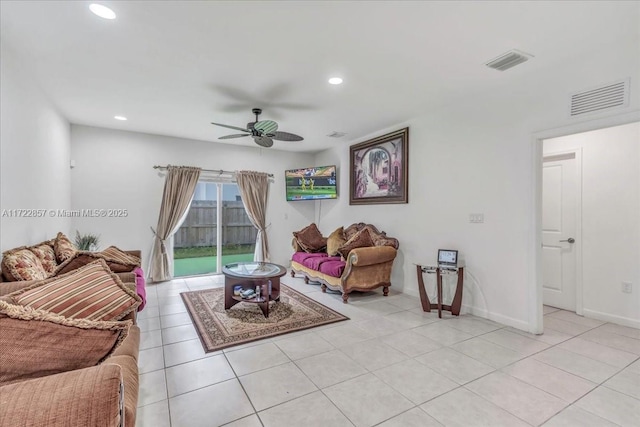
[(114, 170), (477, 156), (34, 158), (610, 219)]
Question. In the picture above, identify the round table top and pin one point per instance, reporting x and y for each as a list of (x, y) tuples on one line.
[(254, 270)]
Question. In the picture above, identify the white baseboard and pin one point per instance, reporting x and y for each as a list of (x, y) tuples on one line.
[(619, 320), (499, 318)]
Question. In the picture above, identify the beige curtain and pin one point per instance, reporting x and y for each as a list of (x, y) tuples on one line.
[(179, 186), (254, 190)]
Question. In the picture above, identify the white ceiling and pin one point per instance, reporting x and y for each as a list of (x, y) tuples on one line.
[(172, 67)]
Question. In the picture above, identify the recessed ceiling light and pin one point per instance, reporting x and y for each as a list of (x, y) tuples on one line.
[(102, 11), (123, 118), (335, 80)]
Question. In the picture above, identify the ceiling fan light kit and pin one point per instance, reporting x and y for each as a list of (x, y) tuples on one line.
[(263, 132)]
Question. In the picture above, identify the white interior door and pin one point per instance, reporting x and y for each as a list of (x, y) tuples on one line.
[(559, 230)]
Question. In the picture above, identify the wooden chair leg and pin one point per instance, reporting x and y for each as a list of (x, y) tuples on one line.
[(345, 297), (293, 273), (323, 287), (306, 280), (385, 290)]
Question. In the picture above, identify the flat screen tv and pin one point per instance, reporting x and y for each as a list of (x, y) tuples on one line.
[(316, 183)]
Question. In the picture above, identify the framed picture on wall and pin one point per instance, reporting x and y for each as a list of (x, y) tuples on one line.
[(379, 170)]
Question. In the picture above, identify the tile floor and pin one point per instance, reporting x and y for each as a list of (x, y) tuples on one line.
[(390, 365)]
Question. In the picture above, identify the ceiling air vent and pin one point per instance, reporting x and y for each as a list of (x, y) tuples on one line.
[(335, 134), (601, 98), (508, 60)]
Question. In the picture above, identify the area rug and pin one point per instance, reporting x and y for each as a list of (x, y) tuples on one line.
[(244, 322)]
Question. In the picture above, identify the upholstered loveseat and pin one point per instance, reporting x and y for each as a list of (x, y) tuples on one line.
[(356, 258), (64, 368)]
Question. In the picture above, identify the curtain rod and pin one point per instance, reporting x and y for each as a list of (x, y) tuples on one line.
[(219, 171)]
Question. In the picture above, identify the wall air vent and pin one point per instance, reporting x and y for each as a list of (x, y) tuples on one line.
[(335, 134), (601, 98), (508, 60)]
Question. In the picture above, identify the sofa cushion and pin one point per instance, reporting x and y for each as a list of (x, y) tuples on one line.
[(314, 263), (310, 238), (300, 257), (22, 264), (92, 292), (332, 268), (37, 343), (47, 256), (361, 239), (83, 397), (63, 248), (129, 370), (131, 345), (335, 240)]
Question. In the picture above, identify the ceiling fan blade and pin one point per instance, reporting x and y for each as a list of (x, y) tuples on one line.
[(266, 126), (263, 141), (285, 136), (231, 127), (237, 135)]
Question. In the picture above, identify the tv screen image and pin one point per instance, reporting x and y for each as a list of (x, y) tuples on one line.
[(316, 183)]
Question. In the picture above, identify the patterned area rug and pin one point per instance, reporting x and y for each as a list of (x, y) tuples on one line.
[(244, 322)]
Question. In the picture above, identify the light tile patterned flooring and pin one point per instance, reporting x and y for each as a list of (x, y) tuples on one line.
[(390, 365)]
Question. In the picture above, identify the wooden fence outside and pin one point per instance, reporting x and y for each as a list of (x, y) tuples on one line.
[(199, 228)]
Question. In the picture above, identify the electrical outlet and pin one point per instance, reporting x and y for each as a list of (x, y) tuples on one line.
[(627, 288), (476, 218)]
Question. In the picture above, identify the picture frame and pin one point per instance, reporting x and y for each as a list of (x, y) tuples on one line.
[(379, 170)]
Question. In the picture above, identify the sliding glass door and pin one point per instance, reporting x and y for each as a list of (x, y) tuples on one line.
[(216, 231)]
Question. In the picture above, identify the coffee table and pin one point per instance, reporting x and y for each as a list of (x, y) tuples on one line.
[(249, 275)]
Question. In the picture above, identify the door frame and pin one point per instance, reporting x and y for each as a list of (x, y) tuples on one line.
[(535, 235), (577, 152)]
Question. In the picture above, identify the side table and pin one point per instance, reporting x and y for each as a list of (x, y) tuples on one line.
[(427, 305)]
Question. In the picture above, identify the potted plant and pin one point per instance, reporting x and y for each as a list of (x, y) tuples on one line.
[(87, 242)]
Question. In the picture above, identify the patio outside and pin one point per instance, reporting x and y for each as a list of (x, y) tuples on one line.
[(194, 246)]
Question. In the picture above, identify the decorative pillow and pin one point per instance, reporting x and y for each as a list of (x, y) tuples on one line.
[(335, 240), (351, 230), (310, 238), (47, 256), (91, 292), (117, 261), (22, 264), (117, 255), (361, 239), (63, 248), (37, 343), (380, 238)]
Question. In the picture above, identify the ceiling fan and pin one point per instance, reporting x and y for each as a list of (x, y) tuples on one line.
[(263, 132)]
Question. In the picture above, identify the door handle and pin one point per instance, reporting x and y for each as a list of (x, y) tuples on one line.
[(570, 240)]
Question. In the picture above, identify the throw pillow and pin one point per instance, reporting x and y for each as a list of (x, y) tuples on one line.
[(380, 238), (47, 256), (310, 238), (119, 256), (335, 240), (117, 261), (91, 292), (22, 264), (63, 248), (351, 230), (37, 343), (359, 240)]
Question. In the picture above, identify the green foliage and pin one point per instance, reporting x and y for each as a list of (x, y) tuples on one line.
[(87, 242)]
